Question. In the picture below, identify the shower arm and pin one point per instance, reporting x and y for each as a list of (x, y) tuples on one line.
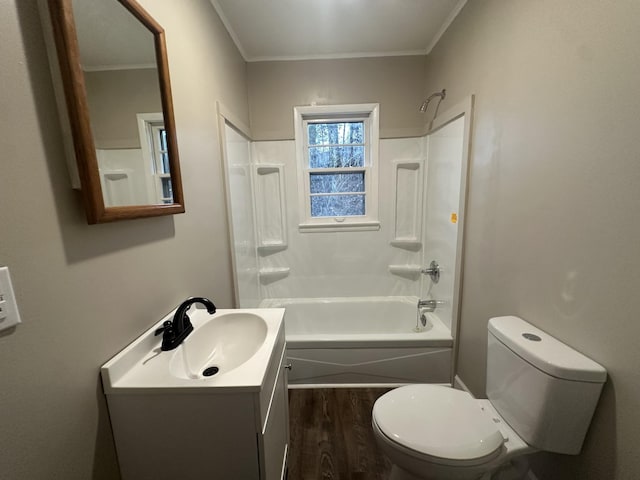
[(425, 104)]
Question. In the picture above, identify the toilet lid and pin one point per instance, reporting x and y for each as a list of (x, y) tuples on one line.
[(437, 421)]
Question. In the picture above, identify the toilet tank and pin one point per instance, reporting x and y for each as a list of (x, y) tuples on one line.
[(545, 390)]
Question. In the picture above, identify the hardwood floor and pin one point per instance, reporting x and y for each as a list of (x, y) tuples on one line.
[(331, 435)]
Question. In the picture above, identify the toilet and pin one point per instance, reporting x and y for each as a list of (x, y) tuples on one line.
[(541, 397)]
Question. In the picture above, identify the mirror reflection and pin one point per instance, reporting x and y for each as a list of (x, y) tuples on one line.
[(118, 59)]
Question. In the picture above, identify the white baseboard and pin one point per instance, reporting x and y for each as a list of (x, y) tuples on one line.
[(460, 385)]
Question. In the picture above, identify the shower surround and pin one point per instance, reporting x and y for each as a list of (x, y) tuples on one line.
[(351, 295)]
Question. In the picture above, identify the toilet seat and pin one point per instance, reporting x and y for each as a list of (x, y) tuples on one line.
[(439, 424)]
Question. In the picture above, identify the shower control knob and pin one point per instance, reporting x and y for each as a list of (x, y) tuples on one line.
[(288, 366), (433, 271)]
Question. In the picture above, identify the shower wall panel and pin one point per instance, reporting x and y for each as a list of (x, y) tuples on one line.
[(242, 218), (339, 264), (444, 150)]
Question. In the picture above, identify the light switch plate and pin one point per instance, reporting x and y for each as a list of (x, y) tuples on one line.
[(9, 315)]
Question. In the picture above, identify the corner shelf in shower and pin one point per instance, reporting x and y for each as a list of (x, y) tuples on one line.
[(273, 274), (412, 272), (271, 218)]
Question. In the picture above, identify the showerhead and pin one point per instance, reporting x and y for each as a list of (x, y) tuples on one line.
[(425, 103)]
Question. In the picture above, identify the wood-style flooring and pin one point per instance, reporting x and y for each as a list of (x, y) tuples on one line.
[(331, 435)]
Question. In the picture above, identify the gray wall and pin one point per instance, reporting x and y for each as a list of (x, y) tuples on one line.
[(115, 97), (394, 82), (552, 232), (85, 291)]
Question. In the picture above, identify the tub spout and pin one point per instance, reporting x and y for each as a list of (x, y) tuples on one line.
[(430, 305)]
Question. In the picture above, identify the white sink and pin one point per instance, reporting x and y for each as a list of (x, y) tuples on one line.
[(221, 344), (235, 346)]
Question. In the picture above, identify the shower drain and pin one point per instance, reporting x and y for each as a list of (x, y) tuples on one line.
[(210, 371)]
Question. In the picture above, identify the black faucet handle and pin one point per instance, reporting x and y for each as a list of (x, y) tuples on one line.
[(167, 327)]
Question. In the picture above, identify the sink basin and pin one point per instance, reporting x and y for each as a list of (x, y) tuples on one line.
[(218, 346), (227, 350)]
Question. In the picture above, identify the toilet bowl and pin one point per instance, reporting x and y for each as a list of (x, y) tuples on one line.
[(437, 432), (541, 396)]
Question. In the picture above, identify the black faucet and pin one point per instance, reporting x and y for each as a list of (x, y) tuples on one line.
[(174, 332)]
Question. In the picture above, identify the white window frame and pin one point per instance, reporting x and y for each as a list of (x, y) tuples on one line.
[(369, 113), (148, 126)]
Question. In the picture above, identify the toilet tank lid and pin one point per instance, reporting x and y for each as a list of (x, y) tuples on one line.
[(545, 352)]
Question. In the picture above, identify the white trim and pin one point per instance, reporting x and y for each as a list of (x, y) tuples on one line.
[(234, 120), (353, 226), (352, 108), (335, 56), (302, 114), (226, 117), (145, 120), (461, 108), (447, 23), (222, 140), (464, 108)]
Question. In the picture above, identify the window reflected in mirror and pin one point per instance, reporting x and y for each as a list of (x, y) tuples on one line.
[(121, 79)]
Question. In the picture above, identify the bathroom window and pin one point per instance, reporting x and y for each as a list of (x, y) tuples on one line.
[(337, 153), (161, 163), (153, 141)]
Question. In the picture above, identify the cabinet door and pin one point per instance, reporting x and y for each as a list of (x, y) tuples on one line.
[(275, 438)]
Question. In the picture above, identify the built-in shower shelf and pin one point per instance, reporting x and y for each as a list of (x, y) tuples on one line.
[(407, 205), (412, 272), (268, 249), (115, 174), (265, 169), (270, 275), (411, 244), (271, 217)]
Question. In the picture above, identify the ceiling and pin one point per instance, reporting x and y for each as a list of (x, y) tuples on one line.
[(314, 29)]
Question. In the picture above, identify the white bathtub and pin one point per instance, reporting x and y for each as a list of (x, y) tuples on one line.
[(363, 340)]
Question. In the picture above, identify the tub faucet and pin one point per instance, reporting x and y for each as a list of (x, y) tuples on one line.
[(429, 305), (174, 332)]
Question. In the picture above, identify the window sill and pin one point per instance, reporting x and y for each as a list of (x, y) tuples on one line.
[(339, 227)]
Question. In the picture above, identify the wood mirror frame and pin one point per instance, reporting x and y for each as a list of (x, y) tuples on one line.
[(73, 80)]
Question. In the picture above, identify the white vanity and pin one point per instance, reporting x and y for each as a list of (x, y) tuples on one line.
[(171, 421)]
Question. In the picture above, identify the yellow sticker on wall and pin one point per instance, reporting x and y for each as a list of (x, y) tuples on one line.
[(454, 218)]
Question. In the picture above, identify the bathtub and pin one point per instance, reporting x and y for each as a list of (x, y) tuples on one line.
[(363, 340)]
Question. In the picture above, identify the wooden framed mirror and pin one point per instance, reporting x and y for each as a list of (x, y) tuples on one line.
[(115, 75)]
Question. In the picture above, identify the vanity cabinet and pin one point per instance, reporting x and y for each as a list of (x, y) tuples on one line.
[(239, 432), (273, 440)]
